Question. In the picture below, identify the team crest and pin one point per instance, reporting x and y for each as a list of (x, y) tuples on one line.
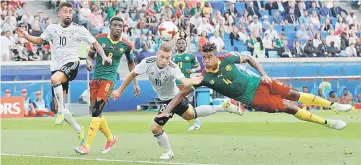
[(211, 82), (228, 68), (121, 50), (187, 58), (103, 45)]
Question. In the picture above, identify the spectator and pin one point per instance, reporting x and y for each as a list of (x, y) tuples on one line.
[(298, 50), (278, 43), (358, 48), (310, 50), (5, 46), (34, 54), (271, 5), (272, 33), (28, 106), (196, 19), (205, 26), (344, 41), (259, 50), (96, 20), (256, 25), (7, 93), (317, 40), (346, 98), (267, 44), (333, 38), (326, 27), (266, 23), (351, 51), (305, 19), (351, 18), (252, 40), (234, 35), (285, 51), (336, 10), (333, 51), (277, 19), (40, 106), (302, 33), (322, 49), (315, 20), (359, 98), (233, 11), (353, 38), (217, 18), (202, 40), (47, 54), (216, 39), (252, 10), (292, 18), (340, 24), (333, 97), (243, 35), (313, 8)]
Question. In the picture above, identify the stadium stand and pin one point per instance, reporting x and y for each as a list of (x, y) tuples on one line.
[(321, 29)]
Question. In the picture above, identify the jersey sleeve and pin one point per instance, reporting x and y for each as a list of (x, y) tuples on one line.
[(142, 67), (84, 35), (46, 35), (176, 72)]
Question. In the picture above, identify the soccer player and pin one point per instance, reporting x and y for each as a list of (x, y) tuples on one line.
[(103, 82), (66, 38), (264, 94), (188, 64), (162, 73)]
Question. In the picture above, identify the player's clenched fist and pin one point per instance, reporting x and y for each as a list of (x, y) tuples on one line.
[(136, 90), (107, 60), (21, 32), (116, 94), (196, 80)]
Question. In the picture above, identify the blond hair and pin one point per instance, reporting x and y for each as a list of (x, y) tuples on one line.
[(166, 47)]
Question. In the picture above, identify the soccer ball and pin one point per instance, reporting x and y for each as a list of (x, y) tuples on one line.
[(167, 31)]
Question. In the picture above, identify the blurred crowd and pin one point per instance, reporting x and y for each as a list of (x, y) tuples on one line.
[(262, 28)]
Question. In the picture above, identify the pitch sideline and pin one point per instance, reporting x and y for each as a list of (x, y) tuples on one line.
[(103, 160)]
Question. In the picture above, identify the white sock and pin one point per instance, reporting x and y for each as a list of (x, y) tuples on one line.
[(162, 139), (206, 110), (58, 92), (71, 121)]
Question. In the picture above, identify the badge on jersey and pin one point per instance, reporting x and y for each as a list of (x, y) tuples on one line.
[(211, 82), (187, 58), (121, 50), (228, 68)]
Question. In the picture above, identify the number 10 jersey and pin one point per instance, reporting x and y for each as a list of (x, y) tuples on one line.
[(65, 43)]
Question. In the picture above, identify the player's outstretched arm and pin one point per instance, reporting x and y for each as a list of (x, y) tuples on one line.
[(130, 77), (251, 61), (136, 89), (189, 82), (89, 60), (176, 100), (33, 39), (101, 52)]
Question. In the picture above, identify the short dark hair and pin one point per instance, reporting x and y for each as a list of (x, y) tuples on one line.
[(65, 4), (181, 39), (209, 47), (115, 19)]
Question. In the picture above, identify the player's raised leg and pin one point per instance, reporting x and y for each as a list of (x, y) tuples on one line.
[(162, 137), (68, 117), (99, 92), (56, 81)]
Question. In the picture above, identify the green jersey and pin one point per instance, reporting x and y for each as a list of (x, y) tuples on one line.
[(114, 49), (231, 82), (185, 62)]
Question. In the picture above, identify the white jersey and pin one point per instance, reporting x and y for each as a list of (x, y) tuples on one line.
[(65, 43), (162, 80)]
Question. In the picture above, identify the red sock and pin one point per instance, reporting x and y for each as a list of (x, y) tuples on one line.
[(32, 113), (50, 113), (41, 113)]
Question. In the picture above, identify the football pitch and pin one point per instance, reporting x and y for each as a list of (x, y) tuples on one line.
[(252, 139)]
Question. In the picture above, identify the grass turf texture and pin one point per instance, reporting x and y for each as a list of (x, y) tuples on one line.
[(252, 139)]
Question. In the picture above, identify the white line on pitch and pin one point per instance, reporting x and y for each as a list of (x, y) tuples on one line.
[(104, 160)]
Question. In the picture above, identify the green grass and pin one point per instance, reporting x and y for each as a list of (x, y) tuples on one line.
[(253, 139)]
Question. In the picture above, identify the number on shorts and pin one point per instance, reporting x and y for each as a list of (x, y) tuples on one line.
[(107, 87), (162, 108)]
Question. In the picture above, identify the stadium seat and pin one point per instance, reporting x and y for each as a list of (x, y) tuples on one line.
[(357, 90), (240, 6), (217, 5), (2, 93), (278, 28), (289, 28), (323, 34), (16, 93), (273, 54)]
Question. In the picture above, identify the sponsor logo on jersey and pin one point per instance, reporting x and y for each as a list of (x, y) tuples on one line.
[(228, 68), (187, 58), (211, 82)]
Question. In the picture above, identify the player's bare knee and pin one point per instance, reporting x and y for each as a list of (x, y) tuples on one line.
[(293, 95), (290, 108), (189, 114), (58, 77), (156, 128)]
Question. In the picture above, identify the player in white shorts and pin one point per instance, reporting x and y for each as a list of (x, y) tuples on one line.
[(162, 73), (65, 38)]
